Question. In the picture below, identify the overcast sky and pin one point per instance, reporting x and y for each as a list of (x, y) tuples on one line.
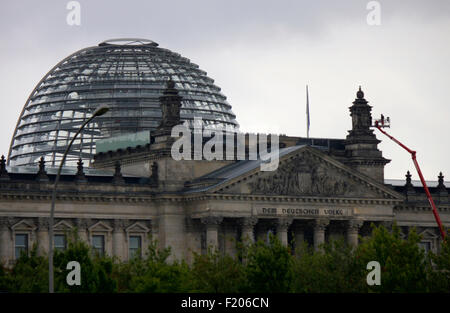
[(262, 54)]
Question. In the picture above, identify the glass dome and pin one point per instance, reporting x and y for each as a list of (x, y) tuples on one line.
[(128, 75)]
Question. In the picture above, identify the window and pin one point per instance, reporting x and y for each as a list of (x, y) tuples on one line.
[(134, 246), (60, 242), (425, 245), (98, 244), (270, 232), (21, 244)]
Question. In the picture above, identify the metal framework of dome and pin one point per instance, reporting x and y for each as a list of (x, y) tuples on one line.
[(129, 76)]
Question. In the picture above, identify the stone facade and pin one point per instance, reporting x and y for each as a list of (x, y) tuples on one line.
[(319, 192)]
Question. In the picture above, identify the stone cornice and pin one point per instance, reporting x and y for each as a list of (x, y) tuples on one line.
[(293, 199), (142, 197), (420, 208)]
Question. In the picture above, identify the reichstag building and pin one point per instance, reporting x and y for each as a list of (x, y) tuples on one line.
[(121, 185)]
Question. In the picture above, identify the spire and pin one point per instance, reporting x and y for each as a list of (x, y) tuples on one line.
[(3, 172), (118, 178), (80, 176), (409, 186), (361, 115), (42, 174), (441, 189), (408, 179), (360, 94), (154, 175), (170, 106), (361, 144)]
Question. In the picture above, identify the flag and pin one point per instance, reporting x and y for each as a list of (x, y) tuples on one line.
[(307, 112)]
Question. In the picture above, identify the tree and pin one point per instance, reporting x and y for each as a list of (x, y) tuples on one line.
[(269, 267), (440, 270), (29, 274), (95, 270), (330, 269), (403, 262), (154, 273), (217, 273)]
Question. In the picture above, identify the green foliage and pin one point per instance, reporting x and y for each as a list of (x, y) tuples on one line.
[(153, 273), (269, 267), (440, 273), (331, 269), (29, 274), (403, 262), (257, 267), (215, 273), (95, 270)]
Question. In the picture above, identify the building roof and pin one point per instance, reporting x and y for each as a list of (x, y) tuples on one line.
[(231, 171), (415, 183)]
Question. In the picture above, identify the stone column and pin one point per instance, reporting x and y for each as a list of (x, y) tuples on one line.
[(282, 229), (212, 230), (299, 234), (388, 225), (82, 225), (248, 226), (5, 241), (118, 240), (230, 237), (155, 229), (43, 235), (353, 227), (172, 232), (320, 226), (193, 241)]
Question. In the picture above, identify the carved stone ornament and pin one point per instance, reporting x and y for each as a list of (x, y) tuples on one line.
[(3, 172), (80, 176), (6, 222), (43, 223), (118, 178), (212, 220), (82, 223), (305, 175), (388, 224), (118, 225), (353, 226), (284, 223), (248, 222), (321, 224)]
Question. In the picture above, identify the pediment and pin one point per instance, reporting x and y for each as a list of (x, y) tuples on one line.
[(24, 225), (62, 226), (308, 172), (137, 228), (100, 227), (428, 234)]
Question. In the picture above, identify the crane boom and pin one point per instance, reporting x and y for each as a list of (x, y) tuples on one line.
[(416, 164)]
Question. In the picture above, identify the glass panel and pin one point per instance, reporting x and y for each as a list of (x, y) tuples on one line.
[(60, 242), (425, 245), (130, 81), (134, 246), (98, 244), (21, 244)]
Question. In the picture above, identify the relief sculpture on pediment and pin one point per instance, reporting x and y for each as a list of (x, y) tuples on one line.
[(302, 175)]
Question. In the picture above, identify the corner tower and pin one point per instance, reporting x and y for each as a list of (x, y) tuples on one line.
[(361, 143)]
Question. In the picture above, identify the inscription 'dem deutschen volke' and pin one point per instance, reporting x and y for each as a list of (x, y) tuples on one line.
[(302, 211)]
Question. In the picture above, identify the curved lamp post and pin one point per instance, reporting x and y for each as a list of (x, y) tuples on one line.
[(98, 112)]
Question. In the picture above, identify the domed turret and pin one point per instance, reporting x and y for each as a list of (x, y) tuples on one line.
[(128, 75)]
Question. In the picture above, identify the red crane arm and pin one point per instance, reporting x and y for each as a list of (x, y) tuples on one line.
[(430, 199)]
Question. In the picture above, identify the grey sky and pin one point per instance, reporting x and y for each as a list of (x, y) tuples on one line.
[(262, 54)]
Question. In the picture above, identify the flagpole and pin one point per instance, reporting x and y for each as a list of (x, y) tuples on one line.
[(307, 112)]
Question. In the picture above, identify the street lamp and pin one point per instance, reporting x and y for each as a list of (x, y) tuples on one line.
[(98, 112)]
